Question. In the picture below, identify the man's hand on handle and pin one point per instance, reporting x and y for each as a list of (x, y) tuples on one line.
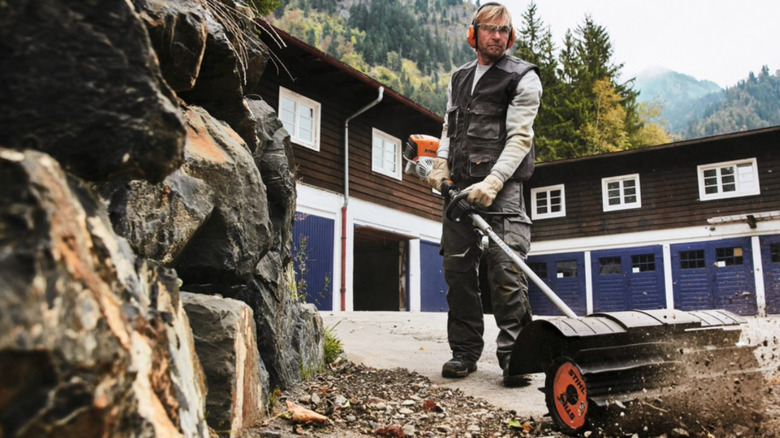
[(439, 173), (485, 191)]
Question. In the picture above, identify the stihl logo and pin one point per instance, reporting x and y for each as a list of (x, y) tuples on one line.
[(577, 381)]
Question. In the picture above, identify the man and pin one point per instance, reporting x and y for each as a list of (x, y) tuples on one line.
[(487, 135)]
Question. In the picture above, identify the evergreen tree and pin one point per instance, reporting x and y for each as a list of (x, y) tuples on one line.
[(569, 104), (595, 52), (603, 112), (311, 37)]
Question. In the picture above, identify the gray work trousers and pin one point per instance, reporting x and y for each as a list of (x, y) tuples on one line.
[(462, 249)]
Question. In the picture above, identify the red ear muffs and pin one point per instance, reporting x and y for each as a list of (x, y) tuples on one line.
[(472, 37), (511, 38)]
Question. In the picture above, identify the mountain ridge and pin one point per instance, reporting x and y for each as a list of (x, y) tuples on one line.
[(693, 108), (683, 98)]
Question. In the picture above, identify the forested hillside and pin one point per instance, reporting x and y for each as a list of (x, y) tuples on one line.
[(683, 98), (414, 45), (751, 104)]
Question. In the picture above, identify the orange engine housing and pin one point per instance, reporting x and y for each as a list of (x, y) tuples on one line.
[(421, 145)]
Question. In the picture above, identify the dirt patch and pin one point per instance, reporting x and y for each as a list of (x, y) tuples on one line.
[(362, 401)]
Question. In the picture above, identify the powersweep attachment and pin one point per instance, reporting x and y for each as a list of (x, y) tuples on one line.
[(663, 365)]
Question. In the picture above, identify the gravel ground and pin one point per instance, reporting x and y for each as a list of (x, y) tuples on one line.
[(362, 399)]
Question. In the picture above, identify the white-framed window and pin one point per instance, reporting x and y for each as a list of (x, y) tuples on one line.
[(621, 192), (729, 179), (385, 154), (300, 117), (548, 202)]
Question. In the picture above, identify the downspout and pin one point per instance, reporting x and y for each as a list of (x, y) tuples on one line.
[(343, 290)]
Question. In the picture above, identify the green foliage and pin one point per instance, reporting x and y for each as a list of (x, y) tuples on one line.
[(605, 131), (751, 104), (274, 399), (407, 47), (333, 345), (262, 7), (652, 133)]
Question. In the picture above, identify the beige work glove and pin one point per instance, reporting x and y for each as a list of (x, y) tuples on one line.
[(439, 173), (485, 191)]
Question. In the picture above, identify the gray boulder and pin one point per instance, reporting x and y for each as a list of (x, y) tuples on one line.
[(274, 158), (177, 29), (93, 341), (290, 334), (81, 82), (238, 233), (233, 62), (159, 219), (225, 339)]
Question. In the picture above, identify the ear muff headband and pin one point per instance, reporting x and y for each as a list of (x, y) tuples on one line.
[(472, 35)]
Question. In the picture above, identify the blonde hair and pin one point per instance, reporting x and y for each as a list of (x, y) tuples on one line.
[(491, 12)]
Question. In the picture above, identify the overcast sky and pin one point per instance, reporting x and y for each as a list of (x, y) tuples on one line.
[(718, 40)]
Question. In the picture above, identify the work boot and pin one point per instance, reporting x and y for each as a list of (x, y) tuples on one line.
[(458, 367)]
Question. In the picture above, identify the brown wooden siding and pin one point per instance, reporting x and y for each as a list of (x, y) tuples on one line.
[(668, 182), (325, 168)]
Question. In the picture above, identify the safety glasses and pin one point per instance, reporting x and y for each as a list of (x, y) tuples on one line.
[(490, 28)]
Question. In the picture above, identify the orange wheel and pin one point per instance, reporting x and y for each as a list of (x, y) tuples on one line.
[(566, 394)]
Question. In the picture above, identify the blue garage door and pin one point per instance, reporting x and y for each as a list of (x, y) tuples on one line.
[(714, 275), (565, 275), (313, 259), (626, 279), (433, 287), (770, 256)]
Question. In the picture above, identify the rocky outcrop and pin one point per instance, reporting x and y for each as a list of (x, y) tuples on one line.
[(225, 339), (232, 65), (159, 220), (209, 219), (238, 232), (115, 190), (274, 158), (290, 337), (177, 29), (81, 82), (93, 341), (206, 221)]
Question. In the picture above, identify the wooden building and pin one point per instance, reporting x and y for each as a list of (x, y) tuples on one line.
[(689, 225), (367, 233)]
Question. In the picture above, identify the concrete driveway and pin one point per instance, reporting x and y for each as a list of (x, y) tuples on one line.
[(418, 341)]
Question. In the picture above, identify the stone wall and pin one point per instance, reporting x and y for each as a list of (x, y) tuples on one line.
[(135, 162)]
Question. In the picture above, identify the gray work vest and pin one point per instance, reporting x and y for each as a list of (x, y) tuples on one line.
[(476, 122)]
